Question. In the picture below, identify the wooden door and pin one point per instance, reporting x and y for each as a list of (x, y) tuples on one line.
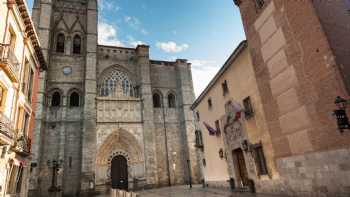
[(240, 165), (119, 173)]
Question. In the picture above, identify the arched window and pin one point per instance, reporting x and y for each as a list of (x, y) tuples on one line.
[(171, 101), (77, 44), (74, 100), (116, 83), (157, 100), (56, 99), (60, 43)]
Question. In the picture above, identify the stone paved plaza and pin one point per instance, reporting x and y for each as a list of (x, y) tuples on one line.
[(196, 191)]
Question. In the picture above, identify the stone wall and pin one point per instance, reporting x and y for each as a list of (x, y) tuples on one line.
[(314, 174), (87, 137)]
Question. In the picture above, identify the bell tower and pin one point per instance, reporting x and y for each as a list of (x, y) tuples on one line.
[(65, 139)]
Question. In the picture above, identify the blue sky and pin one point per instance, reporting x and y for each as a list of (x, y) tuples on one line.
[(203, 31)]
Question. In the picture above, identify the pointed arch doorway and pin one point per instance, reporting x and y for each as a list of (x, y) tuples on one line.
[(119, 173)]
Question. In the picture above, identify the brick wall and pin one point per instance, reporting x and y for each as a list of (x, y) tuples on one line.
[(298, 79)]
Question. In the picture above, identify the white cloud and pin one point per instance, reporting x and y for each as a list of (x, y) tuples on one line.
[(203, 72), (144, 32), (107, 35), (133, 42), (132, 21), (136, 24), (202, 63), (172, 47), (107, 5)]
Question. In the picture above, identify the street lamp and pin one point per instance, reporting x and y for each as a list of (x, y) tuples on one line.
[(189, 173), (55, 165), (340, 114)]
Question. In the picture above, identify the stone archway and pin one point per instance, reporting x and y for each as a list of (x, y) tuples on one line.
[(119, 143)]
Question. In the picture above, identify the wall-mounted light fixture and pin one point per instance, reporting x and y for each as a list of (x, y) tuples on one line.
[(221, 153), (340, 114)]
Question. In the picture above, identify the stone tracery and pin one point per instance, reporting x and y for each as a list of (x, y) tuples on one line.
[(115, 84)]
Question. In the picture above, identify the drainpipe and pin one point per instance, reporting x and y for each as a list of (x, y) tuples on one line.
[(166, 144)]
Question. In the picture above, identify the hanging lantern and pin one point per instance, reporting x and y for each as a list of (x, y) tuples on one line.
[(340, 114)]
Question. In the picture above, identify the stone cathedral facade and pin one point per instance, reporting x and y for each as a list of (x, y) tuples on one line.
[(98, 104)]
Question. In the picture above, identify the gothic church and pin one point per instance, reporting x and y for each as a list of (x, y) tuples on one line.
[(107, 116)]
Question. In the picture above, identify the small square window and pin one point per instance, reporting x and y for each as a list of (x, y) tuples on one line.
[(210, 103), (224, 88)]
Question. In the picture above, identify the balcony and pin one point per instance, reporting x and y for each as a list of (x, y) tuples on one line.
[(7, 134), (22, 145), (9, 62)]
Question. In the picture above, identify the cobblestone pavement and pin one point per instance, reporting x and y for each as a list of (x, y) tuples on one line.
[(184, 191)]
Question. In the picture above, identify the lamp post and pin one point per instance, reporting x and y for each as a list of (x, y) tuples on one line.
[(55, 165), (340, 114), (189, 173)]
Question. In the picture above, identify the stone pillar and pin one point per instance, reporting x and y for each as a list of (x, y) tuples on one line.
[(186, 98), (42, 20), (147, 114), (89, 126)]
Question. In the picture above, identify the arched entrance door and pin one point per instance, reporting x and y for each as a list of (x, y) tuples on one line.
[(119, 173)]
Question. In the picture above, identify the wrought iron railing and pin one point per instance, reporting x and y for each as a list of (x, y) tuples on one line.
[(23, 144), (8, 57), (6, 127)]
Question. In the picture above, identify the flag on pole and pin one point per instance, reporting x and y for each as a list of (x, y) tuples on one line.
[(211, 130)]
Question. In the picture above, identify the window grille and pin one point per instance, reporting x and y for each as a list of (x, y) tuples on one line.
[(260, 3), (248, 109), (260, 160)]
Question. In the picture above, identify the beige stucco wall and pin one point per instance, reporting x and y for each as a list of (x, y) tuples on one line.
[(241, 82)]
